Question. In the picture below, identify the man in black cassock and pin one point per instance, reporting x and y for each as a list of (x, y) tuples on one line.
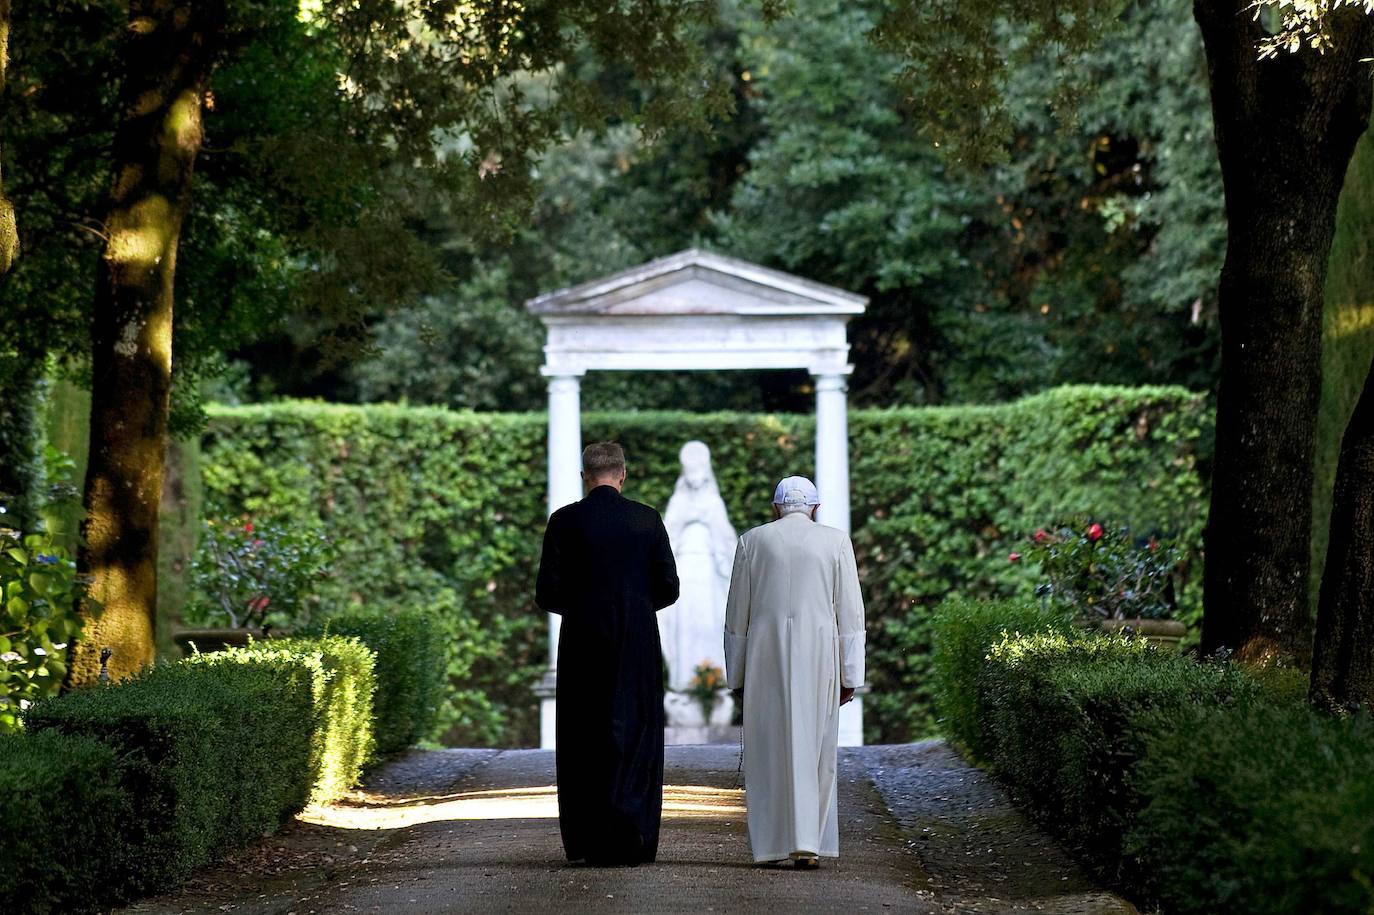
[(607, 568)]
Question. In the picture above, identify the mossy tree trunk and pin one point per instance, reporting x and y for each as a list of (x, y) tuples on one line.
[(1285, 129), (166, 58), (19, 381), (1343, 659), (9, 229)]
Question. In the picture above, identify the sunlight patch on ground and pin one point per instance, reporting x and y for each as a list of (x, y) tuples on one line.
[(533, 803)]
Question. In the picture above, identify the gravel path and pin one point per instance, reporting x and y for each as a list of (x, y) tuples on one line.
[(477, 831)]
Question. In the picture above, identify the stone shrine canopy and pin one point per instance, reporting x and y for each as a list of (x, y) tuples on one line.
[(696, 310)]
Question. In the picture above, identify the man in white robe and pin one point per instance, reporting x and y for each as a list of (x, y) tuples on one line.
[(794, 643)]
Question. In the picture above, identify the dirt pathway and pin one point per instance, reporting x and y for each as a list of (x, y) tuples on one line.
[(477, 831)]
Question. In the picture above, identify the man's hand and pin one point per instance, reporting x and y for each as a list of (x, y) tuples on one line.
[(846, 694)]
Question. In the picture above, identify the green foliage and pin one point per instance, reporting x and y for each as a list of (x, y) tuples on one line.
[(443, 512), (1099, 571), (957, 61), (211, 756), (1067, 715), (39, 617), (964, 631), (343, 685), (62, 801), (1348, 336), (1195, 787), (412, 650), (1092, 255), (1261, 809), (257, 574)]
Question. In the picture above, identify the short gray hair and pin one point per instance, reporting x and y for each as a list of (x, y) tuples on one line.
[(791, 508), (603, 459)]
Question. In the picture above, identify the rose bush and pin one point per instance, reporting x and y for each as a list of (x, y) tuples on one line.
[(261, 574), (1100, 572)]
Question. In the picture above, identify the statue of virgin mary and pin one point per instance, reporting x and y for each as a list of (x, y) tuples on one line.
[(703, 544)]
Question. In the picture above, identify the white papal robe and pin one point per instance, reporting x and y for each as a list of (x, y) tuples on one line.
[(794, 634)]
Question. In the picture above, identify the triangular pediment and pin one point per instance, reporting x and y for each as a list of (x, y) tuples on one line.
[(695, 282)]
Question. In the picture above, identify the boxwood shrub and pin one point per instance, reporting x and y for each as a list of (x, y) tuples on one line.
[(342, 684), (210, 757), (964, 632), (1263, 809), (62, 802), (1068, 715), (411, 651), (1195, 788), (439, 510)]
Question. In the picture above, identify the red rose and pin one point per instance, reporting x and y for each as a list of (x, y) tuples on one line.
[(1094, 532), (248, 527), (1041, 536), (1014, 557)]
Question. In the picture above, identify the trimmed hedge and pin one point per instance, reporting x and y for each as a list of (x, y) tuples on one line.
[(1197, 788), (211, 756), (410, 648), (342, 685), (118, 791), (444, 511), (1265, 809), (62, 799), (1068, 715), (965, 631)]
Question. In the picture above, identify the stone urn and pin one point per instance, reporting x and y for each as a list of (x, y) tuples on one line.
[(1165, 633)]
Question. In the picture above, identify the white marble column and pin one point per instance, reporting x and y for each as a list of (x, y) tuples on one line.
[(832, 451), (832, 479), (565, 487)]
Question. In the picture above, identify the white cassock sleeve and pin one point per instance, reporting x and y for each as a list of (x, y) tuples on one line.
[(849, 613), (737, 618)]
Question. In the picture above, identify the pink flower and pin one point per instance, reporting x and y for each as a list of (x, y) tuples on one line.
[(1041, 536), (1014, 557), (248, 527), (1094, 532)]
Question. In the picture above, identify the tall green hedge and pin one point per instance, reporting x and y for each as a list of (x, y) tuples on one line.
[(444, 510)]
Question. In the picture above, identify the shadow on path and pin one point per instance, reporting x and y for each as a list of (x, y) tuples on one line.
[(477, 831)]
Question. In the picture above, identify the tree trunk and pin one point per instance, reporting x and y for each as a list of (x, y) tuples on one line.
[(1343, 658), (165, 60), (1285, 130), (9, 229)]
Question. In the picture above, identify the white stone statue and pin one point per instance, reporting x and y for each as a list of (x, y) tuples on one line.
[(704, 547)]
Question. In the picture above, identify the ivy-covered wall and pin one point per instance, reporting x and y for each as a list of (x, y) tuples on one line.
[(445, 510)]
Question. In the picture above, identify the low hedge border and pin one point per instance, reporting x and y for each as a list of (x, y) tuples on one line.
[(964, 631), (1192, 787), (211, 756), (411, 651), (143, 782), (62, 799), (343, 686)]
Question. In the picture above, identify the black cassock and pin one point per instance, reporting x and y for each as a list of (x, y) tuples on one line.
[(607, 568)]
